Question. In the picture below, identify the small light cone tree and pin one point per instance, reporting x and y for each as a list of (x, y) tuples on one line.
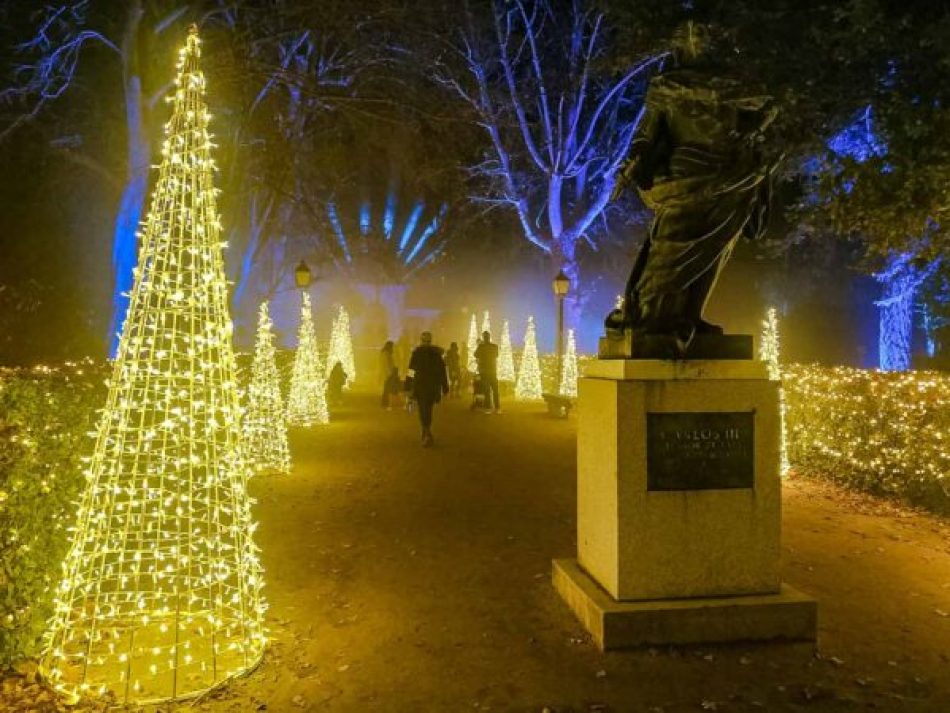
[(161, 590), (341, 346), (506, 360), (769, 344), (265, 420), (472, 345), (486, 322), (568, 386), (307, 403), (528, 387), (769, 353)]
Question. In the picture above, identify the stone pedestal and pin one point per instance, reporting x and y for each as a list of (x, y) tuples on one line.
[(679, 506)]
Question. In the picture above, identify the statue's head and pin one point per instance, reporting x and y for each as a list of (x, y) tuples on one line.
[(690, 43)]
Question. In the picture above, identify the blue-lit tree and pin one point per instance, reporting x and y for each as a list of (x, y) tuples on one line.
[(906, 264), (278, 54), (558, 126)]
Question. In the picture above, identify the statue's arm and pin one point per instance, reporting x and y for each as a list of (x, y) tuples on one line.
[(648, 132)]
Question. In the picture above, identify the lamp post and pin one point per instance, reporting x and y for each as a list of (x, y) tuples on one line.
[(302, 275), (562, 286)]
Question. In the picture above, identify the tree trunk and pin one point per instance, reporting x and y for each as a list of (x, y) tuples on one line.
[(132, 203)]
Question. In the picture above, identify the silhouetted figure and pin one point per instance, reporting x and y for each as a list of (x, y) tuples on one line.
[(429, 382), (387, 366), (453, 365), (335, 385), (486, 355)]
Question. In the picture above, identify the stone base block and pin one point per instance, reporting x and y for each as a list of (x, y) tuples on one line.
[(788, 615)]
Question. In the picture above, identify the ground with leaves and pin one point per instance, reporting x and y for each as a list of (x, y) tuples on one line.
[(411, 579)]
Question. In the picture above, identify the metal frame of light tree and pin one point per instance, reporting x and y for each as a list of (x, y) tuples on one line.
[(307, 402), (265, 419), (769, 353), (471, 345), (506, 359), (528, 386), (161, 594), (568, 382), (341, 346)]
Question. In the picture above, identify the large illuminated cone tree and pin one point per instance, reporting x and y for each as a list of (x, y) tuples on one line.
[(265, 420), (568, 385), (341, 346), (161, 591), (528, 386), (506, 360), (472, 345), (307, 404)]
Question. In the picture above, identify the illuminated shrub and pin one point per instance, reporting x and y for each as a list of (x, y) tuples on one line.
[(45, 417), (884, 432)]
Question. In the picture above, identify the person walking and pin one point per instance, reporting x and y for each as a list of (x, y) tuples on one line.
[(453, 365), (486, 355), (429, 382), (387, 365)]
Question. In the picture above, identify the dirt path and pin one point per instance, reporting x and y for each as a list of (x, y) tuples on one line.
[(404, 579)]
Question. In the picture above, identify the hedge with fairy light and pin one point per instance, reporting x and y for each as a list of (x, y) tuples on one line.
[(45, 414), (887, 433)]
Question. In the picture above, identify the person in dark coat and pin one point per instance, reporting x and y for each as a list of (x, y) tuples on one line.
[(335, 385), (429, 382), (453, 366), (387, 367), (486, 355)]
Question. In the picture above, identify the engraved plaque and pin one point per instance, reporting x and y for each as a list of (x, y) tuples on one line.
[(700, 451)]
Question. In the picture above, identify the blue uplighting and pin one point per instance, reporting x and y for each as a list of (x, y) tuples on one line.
[(411, 225), (389, 215), (364, 218), (338, 229), (427, 233)]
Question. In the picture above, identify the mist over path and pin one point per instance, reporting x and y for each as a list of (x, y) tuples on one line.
[(411, 579)]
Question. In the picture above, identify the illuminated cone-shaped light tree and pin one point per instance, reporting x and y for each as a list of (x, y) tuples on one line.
[(568, 386), (506, 360), (307, 404), (161, 590), (341, 346), (769, 344), (472, 345), (528, 387), (265, 421), (486, 322), (769, 353)]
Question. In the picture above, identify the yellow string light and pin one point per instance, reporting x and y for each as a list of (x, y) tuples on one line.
[(472, 345), (528, 386), (341, 346), (161, 593), (887, 432), (308, 387), (486, 322), (568, 386), (769, 353), (265, 421), (506, 359)]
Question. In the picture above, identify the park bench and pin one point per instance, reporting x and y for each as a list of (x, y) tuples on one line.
[(558, 405)]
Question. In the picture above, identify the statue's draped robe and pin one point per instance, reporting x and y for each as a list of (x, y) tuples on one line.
[(698, 167)]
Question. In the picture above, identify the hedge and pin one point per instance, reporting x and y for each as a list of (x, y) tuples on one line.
[(45, 417), (886, 433)]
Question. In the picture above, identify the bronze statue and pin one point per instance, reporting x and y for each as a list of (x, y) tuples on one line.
[(698, 163)]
